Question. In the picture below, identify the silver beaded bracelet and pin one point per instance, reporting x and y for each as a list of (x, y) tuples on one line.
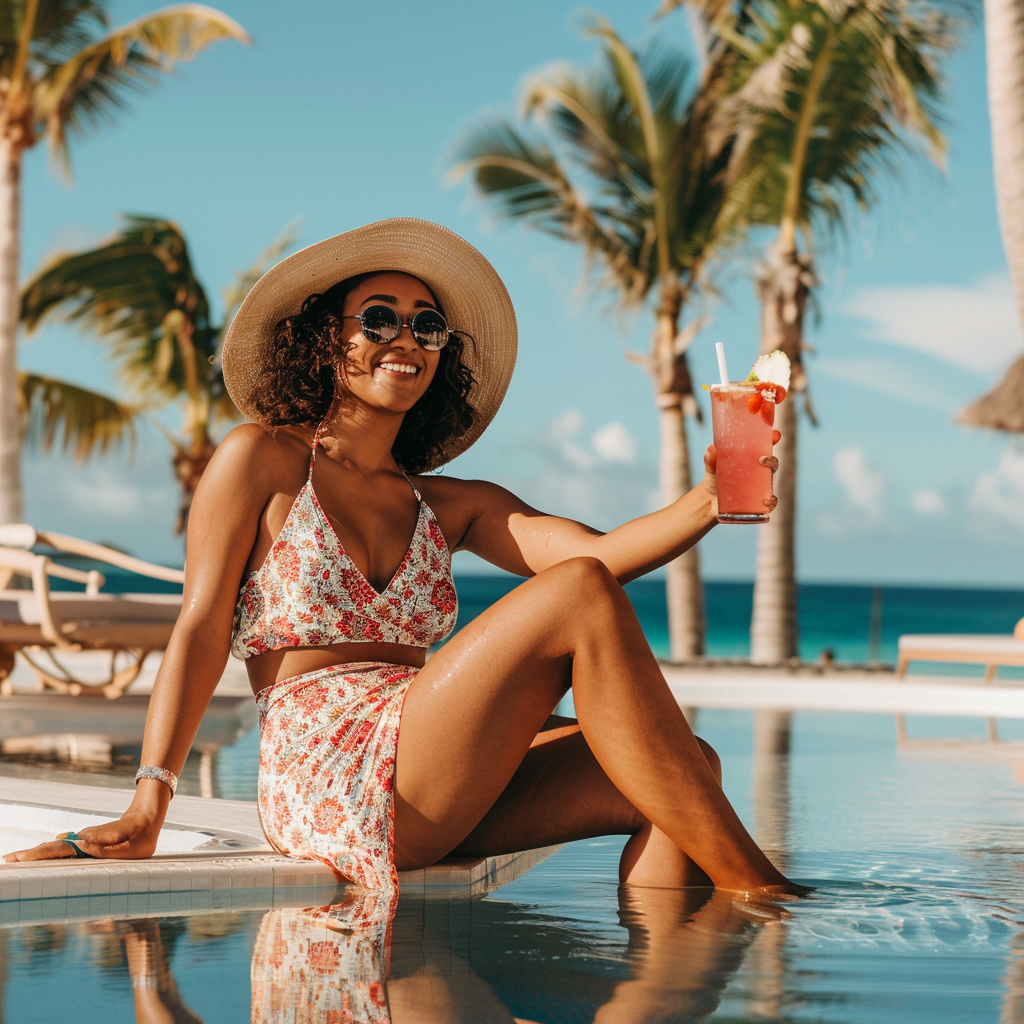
[(148, 771)]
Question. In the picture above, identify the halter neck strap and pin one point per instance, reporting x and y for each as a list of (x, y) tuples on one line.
[(312, 455), (419, 497)]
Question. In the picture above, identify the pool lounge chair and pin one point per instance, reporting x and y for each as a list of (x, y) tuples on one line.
[(39, 623), (988, 649)]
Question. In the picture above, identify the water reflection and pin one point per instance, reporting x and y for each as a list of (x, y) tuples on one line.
[(432, 960), (771, 799), (157, 1000), (1012, 1011), (59, 739), (321, 965)]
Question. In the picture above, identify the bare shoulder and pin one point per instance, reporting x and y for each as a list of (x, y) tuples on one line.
[(459, 504), (475, 494), (253, 455)]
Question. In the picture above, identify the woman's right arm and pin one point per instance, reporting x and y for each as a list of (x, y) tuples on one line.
[(222, 529)]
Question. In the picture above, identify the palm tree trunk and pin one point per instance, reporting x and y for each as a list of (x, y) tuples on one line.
[(783, 285), (10, 299), (773, 627), (674, 391), (189, 465), (1004, 43), (683, 588)]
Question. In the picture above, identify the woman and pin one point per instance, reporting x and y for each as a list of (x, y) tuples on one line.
[(343, 358)]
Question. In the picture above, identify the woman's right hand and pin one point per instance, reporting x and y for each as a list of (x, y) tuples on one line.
[(134, 835)]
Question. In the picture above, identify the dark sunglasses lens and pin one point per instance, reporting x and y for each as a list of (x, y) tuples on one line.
[(380, 323), (430, 329)]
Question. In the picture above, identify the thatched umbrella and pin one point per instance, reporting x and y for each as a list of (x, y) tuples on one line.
[(1003, 407)]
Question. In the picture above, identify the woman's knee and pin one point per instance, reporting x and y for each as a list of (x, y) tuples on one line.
[(712, 758), (581, 582)]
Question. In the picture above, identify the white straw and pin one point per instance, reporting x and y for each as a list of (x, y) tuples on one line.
[(722, 371)]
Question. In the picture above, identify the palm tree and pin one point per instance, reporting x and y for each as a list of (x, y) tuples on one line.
[(1004, 54), (822, 99), (615, 160), (60, 75), (139, 293)]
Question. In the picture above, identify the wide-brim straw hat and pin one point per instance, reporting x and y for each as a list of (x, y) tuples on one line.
[(474, 300)]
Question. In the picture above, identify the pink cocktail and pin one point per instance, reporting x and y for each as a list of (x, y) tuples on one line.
[(743, 435)]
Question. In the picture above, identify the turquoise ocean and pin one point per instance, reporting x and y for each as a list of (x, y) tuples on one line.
[(856, 623)]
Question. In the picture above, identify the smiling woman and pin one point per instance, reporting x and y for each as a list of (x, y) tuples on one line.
[(317, 559), (300, 381)]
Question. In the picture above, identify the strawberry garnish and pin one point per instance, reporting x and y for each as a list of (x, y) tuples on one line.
[(764, 399)]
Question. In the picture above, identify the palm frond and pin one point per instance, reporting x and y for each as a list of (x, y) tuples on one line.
[(877, 100), (588, 118), (82, 421), (630, 79), (522, 177), (62, 27), (525, 180), (91, 83), (124, 291), (615, 159)]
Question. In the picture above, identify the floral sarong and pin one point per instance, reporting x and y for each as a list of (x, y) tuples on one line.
[(327, 764)]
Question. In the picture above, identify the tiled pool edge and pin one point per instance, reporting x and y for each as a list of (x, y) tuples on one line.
[(49, 892), (196, 881)]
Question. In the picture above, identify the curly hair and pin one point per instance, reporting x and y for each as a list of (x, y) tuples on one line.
[(298, 386)]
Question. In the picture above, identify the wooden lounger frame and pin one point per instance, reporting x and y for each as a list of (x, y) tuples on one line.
[(960, 657), (17, 559), (991, 662)]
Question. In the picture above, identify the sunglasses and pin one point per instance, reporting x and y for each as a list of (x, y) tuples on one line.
[(381, 324)]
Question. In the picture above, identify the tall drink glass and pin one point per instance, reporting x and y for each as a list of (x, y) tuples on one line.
[(742, 437)]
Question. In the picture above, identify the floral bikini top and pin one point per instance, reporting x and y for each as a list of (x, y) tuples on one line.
[(309, 593)]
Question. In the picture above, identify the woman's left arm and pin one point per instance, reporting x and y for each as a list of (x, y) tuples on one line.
[(508, 533)]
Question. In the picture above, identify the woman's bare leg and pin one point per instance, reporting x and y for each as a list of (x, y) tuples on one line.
[(473, 711), (560, 792)]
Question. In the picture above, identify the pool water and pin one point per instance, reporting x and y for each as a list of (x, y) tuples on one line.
[(916, 848)]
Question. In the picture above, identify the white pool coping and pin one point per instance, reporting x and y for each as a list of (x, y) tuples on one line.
[(190, 881), (851, 691)]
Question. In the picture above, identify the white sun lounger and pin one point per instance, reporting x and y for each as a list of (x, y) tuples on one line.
[(38, 621), (988, 649)]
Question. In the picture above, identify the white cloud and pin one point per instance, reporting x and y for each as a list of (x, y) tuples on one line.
[(560, 436), (863, 495), (613, 443), (971, 326), (862, 486), (928, 502), (999, 493), (600, 480)]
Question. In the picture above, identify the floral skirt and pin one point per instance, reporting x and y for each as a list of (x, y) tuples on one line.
[(325, 965), (327, 767)]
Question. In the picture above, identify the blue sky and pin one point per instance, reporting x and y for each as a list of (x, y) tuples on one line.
[(341, 113)]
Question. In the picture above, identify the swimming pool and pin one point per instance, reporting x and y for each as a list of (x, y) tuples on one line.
[(917, 850)]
